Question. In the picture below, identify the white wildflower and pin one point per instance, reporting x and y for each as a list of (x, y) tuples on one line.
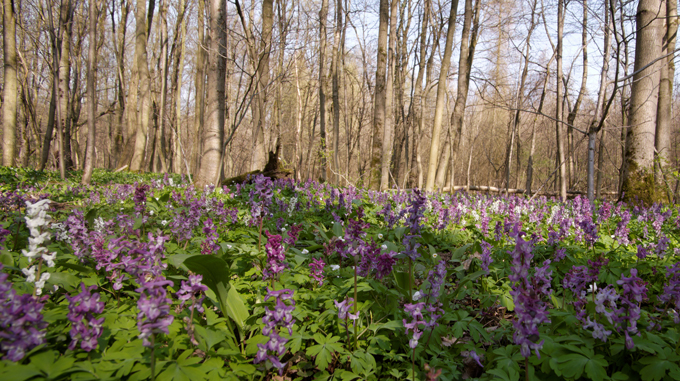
[(99, 224), (380, 235), (164, 222), (40, 284), (49, 258), (384, 247), (417, 295), (305, 251), (335, 267), (30, 274)]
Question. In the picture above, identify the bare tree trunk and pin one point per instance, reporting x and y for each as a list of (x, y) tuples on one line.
[(519, 104), (664, 114), (10, 94), (638, 176), (118, 138), (199, 107), (467, 52), (91, 95), (441, 98), (178, 156), (159, 157), (600, 111), (388, 132), (558, 107), (66, 27), (261, 64), (379, 111), (337, 58), (213, 134), (415, 113)]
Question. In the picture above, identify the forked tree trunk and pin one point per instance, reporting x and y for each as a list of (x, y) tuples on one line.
[(441, 98)]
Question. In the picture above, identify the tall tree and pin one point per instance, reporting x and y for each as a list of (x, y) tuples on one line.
[(388, 141), (379, 110), (91, 95), (9, 92), (66, 10), (335, 69), (214, 127), (638, 175), (415, 113), (468, 45), (261, 64), (323, 16), (561, 164), (601, 110), (667, 72), (441, 98), (199, 81)]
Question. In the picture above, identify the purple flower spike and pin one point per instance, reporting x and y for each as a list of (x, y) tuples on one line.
[(154, 309), (281, 317), (316, 270), (21, 322), (85, 327)]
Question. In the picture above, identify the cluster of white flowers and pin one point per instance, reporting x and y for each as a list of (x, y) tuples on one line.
[(99, 224), (37, 221), (291, 206), (61, 233), (474, 215)]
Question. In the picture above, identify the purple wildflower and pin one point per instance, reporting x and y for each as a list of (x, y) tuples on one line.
[(436, 277), (154, 309), (281, 317), (209, 245), (415, 312), (189, 290), (276, 255), (316, 270), (84, 326), (344, 309), (21, 322), (140, 199), (486, 256)]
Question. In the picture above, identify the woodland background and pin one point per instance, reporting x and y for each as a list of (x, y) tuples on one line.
[(528, 95)]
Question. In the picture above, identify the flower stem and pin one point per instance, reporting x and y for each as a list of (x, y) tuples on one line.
[(153, 357), (410, 280), (526, 369), (413, 365), (356, 304)]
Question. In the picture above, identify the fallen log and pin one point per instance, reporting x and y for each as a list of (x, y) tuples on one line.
[(273, 169)]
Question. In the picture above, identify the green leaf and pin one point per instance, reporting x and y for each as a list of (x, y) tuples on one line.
[(209, 337), (51, 365), (459, 252), (324, 350), (338, 230), (503, 375), (235, 308), (657, 367), (574, 364), (65, 280), (18, 373), (215, 272), (6, 258)]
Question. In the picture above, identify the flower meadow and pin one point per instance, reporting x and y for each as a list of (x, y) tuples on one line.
[(145, 277)]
